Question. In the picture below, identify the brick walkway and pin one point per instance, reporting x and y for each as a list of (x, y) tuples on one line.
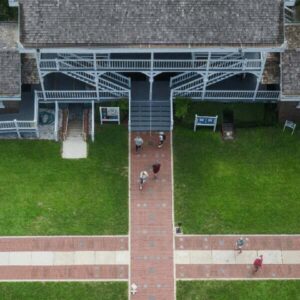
[(151, 225), (64, 258), (214, 257)]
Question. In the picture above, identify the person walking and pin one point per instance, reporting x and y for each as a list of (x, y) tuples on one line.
[(143, 178), (240, 244), (138, 143), (257, 264), (162, 138), (155, 169)]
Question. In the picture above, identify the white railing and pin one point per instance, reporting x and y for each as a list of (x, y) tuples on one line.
[(229, 95), (118, 78), (182, 77), (145, 65), (18, 126), (79, 95)]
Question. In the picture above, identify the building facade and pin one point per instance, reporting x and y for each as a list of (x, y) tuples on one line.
[(149, 52)]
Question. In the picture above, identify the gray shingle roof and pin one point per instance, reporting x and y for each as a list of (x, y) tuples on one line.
[(151, 22), (10, 82), (291, 61)]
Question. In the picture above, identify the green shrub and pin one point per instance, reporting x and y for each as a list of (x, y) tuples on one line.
[(182, 106)]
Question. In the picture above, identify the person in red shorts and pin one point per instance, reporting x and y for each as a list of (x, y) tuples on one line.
[(155, 169), (257, 263)]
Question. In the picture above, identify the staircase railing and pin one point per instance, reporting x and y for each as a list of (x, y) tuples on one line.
[(18, 126), (65, 124), (85, 124)]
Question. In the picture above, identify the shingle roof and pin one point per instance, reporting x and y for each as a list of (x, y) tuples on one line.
[(291, 61), (10, 82), (151, 22)]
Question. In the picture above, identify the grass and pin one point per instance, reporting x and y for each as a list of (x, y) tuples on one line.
[(238, 290), (250, 185), (42, 194), (66, 291)]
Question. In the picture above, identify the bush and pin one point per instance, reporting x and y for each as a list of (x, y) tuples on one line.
[(182, 106), (245, 114)]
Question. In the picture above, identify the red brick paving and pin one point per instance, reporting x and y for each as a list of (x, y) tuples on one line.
[(237, 272), (151, 228), (104, 243), (227, 242), (103, 272)]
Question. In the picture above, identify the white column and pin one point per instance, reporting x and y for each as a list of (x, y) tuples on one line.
[(205, 79), (36, 113), (96, 76), (259, 77), (56, 123), (93, 121), (129, 110), (37, 57)]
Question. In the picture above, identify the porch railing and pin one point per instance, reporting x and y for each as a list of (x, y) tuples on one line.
[(229, 95), (79, 95), (18, 127), (145, 65)]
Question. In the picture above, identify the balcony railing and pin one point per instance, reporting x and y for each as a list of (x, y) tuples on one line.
[(146, 65), (79, 96), (229, 95)]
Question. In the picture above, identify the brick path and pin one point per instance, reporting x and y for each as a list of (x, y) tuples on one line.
[(213, 257), (64, 258), (151, 225), (147, 258)]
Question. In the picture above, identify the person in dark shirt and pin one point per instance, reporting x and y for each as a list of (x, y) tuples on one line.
[(155, 169)]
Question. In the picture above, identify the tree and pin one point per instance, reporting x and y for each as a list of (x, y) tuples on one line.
[(7, 13)]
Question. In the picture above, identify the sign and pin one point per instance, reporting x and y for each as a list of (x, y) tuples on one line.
[(109, 114), (291, 125), (206, 121)]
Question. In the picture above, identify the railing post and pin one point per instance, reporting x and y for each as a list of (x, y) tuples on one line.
[(56, 122), (38, 61), (36, 113), (17, 128), (171, 111), (93, 121), (129, 110), (259, 77)]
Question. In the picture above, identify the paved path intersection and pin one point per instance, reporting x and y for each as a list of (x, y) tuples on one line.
[(151, 256)]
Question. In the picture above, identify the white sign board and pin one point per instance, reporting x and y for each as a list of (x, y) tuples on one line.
[(109, 114), (289, 124), (206, 121)]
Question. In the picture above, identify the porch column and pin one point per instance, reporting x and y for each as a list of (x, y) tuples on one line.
[(56, 123), (36, 113), (37, 57), (259, 77), (93, 121), (205, 79), (96, 76)]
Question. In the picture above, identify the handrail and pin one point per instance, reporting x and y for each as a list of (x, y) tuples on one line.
[(142, 64), (229, 95), (65, 125), (80, 95)]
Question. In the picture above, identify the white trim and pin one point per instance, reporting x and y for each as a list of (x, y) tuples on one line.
[(10, 98), (149, 49), (235, 279), (173, 212), (65, 280), (129, 212)]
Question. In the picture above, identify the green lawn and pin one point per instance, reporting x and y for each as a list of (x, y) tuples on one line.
[(238, 290), (250, 185), (63, 291), (42, 194)]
